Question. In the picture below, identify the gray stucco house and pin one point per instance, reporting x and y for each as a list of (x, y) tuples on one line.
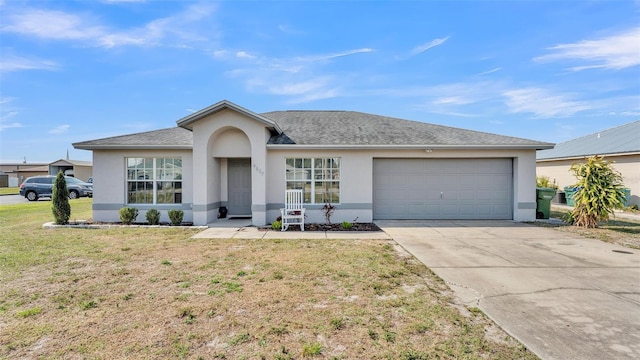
[(368, 166)]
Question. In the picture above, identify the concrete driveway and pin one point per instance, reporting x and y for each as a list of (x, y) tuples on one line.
[(562, 296)]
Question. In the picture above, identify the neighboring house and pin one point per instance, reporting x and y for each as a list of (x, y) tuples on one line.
[(621, 145), (18, 172), (82, 170), (368, 166)]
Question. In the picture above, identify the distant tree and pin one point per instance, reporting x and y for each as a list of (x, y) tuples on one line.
[(60, 199), (600, 191)]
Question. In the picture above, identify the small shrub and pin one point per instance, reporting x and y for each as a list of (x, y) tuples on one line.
[(86, 305), (128, 215), (328, 210), (176, 217), (276, 225), (240, 339), (337, 324), (347, 225), (153, 217), (166, 262), (29, 312), (312, 349), (544, 182), (60, 199)]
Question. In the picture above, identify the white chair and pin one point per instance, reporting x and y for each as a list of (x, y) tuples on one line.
[(293, 212)]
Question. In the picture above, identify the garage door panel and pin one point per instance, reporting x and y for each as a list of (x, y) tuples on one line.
[(443, 189)]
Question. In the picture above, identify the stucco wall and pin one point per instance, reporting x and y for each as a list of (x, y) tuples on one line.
[(83, 172), (227, 127), (356, 186), (109, 184), (627, 165)]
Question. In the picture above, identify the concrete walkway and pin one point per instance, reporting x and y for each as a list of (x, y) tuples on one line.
[(562, 296), (248, 232)]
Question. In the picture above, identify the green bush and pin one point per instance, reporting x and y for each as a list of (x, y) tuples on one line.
[(176, 217), (128, 215), (60, 199), (153, 216), (544, 182), (600, 191), (276, 225), (347, 225)]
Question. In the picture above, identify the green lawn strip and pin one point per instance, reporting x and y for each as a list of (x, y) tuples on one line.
[(9, 191), (157, 293)]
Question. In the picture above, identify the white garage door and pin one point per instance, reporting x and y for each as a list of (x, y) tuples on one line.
[(442, 189)]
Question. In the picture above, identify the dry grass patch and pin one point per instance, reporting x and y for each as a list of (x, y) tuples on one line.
[(619, 231), (157, 293)]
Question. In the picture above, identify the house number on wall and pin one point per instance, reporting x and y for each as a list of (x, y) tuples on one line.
[(258, 169)]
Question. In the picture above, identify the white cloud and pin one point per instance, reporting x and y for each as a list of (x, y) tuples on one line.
[(51, 24), (543, 103), (426, 46), (59, 129), (175, 30), (244, 55), (11, 63), (6, 99), (8, 115), (4, 125), (295, 78), (490, 71), (289, 30), (331, 56), (614, 52)]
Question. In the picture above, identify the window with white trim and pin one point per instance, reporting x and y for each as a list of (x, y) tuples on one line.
[(154, 180), (318, 178)]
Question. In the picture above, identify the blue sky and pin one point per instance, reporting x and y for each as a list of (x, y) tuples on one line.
[(545, 70)]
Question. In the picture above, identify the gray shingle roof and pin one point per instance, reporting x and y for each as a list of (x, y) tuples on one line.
[(356, 128), (331, 128), (617, 140), (175, 137)]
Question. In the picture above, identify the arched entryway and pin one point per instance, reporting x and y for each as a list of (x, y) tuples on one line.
[(231, 149)]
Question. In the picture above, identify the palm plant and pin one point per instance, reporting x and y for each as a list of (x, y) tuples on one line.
[(600, 191)]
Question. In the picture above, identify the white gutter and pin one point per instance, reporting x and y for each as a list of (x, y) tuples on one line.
[(405, 147)]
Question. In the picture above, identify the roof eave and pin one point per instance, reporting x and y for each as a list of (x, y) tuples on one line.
[(578, 157), (409, 147), (187, 121)]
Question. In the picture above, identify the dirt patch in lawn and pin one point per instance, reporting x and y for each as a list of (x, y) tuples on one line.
[(146, 293)]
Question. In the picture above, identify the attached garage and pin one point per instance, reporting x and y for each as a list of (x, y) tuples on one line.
[(443, 189)]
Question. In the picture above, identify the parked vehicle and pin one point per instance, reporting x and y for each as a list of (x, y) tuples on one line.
[(36, 187)]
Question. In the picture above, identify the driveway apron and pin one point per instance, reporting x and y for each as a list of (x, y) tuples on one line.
[(562, 296)]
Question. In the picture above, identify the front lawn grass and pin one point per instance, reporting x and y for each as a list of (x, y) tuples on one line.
[(9, 191), (619, 231), (130, 293)]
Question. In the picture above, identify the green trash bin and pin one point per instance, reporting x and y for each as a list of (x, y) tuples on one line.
[(626, 200), (543, 202), (568, 192)]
